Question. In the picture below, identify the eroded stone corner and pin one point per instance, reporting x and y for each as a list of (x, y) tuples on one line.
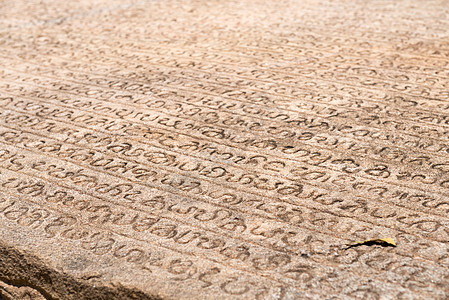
[(24, 276)]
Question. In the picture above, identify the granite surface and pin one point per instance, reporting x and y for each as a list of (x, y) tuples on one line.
[(224, 149)]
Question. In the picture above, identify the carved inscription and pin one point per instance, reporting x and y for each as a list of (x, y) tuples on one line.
[(228, 149)]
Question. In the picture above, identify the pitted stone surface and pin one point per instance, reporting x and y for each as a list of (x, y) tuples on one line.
[(186, 149)]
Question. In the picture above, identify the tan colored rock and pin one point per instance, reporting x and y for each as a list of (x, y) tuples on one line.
[(224, 149)]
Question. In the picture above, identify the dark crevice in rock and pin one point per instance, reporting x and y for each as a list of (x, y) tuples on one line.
[(20, 282), (19, 290), (21, 269)]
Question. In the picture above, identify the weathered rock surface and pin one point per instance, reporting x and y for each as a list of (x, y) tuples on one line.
[(224, 149)]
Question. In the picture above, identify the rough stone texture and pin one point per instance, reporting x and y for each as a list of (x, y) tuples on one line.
[(224, 149)]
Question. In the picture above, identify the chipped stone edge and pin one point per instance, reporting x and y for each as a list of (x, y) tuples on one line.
[(21, 269)]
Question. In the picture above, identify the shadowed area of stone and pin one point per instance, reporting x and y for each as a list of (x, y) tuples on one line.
[(24, 276), (187, 149)]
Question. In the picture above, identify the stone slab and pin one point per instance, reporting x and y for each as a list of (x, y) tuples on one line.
[(186, 149)]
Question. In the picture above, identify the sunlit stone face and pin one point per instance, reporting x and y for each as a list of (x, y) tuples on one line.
[(224, 149)]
